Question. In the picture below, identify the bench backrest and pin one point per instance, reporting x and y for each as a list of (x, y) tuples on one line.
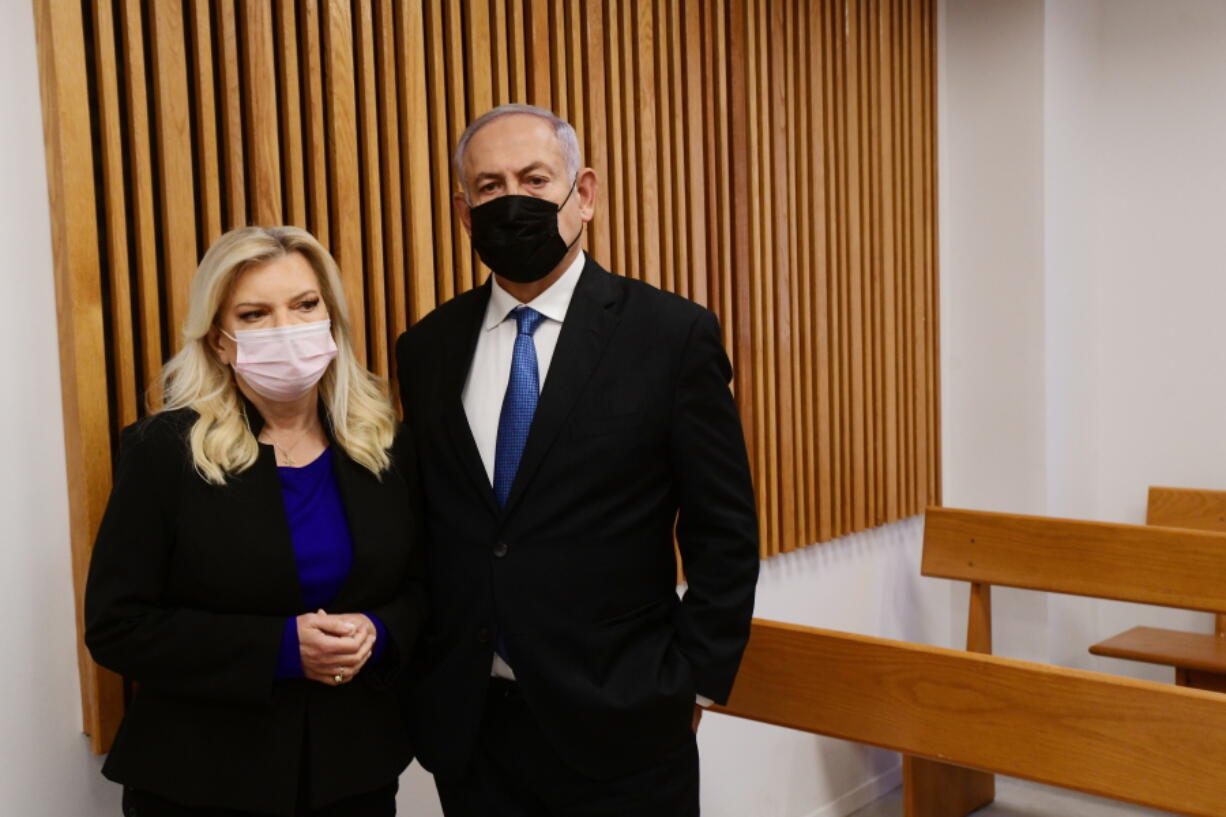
[(1186, 508), (1153, 744), (1172, 567), (1189, 508)]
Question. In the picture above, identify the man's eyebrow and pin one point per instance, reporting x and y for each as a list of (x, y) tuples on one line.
[(490, 174), (538, 165)]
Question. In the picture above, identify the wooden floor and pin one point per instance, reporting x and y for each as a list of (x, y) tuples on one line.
[(1020, 798)]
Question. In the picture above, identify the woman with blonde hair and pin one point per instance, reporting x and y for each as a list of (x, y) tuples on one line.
[(256, 572)]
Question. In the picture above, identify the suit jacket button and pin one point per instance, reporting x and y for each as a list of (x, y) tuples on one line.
[(500, 550), (483, 635)]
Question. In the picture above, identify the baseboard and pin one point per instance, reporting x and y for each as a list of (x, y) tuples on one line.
[(862, 795)]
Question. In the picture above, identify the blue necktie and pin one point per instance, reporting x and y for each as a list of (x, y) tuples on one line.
[(518, 405)]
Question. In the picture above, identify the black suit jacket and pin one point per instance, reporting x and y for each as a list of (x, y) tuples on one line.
[(635, 433), (189, 588)]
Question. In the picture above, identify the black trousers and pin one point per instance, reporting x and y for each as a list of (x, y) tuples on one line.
[(516, 773), (379, 803)]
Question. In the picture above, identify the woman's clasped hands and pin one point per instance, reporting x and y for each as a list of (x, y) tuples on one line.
[(334, 647)]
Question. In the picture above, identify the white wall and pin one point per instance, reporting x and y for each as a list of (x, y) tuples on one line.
[(990, 142), (869, 583), (1127, 341)]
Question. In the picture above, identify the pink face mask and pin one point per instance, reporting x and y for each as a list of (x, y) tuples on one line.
[(283, 363)]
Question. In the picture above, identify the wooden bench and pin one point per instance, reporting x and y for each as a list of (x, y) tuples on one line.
[(1150, 565), (1152, 744), (1199, 659)]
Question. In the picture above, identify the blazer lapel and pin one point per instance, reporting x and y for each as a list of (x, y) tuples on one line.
[(266, 521), (590, 321), (361, 496), (456, 362)]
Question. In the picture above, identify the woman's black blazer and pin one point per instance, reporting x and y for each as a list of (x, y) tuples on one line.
[(189, 588)]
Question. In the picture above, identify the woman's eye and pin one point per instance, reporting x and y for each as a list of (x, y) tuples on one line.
[(250, 316), (307, 306)]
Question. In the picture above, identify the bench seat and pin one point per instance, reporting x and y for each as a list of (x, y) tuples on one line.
[(1199, 659)]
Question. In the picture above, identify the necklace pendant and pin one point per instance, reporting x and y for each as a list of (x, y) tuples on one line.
[(289, 460)]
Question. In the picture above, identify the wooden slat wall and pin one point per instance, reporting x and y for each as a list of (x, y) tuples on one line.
[(774, 161)]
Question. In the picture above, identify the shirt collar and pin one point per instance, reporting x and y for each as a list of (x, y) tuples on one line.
[(552, 303)]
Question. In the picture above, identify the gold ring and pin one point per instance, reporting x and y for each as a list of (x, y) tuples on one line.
[(339, 678)]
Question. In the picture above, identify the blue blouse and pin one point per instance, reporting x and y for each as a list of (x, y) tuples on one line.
[(323, 550)]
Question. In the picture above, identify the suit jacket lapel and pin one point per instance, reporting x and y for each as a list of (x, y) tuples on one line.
[(456, 361), (590, 320), (356, 499)]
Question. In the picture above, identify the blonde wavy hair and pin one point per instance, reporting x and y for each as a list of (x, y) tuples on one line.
[(356, 401)]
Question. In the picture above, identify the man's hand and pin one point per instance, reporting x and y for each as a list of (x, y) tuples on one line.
[(334, 646)]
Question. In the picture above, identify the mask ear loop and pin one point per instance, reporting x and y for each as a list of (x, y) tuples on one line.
[(573, 185)]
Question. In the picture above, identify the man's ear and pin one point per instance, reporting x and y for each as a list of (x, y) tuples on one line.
[(463, 210), (587, 186)]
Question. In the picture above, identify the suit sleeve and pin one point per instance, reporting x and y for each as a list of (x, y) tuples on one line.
[(717, 526), (130, 625), (402, 616)]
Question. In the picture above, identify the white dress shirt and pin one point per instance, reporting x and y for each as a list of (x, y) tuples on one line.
[(491, 366)]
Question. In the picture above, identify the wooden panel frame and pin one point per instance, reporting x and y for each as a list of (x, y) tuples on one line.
[(786, 182)]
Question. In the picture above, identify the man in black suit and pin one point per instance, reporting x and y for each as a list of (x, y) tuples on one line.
[(568, 422)]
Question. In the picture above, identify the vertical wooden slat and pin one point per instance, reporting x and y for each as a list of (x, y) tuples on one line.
[(518, 36), (647, 171), (631, 181), (597, 147), (804, 492), (759, 288), (689, 53), (415, 158), (140, 184), (931, 282), (537, 54), (721, 146), (174, 152), (887, 244), (500, 53), (558, 69), (439, 147), (458, 118), (740, 190), (783, 320), (344, 190), (479, 73), (576, 60), (115, 225), (391, 205), (260, 117), (316, 122), (672, 15), (817, 75), (293, 169), (662, 227), (615, 188), (207, 167), (371, 225), (235, 183)]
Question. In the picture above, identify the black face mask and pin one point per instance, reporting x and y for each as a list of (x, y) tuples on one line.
[(517, 236)]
